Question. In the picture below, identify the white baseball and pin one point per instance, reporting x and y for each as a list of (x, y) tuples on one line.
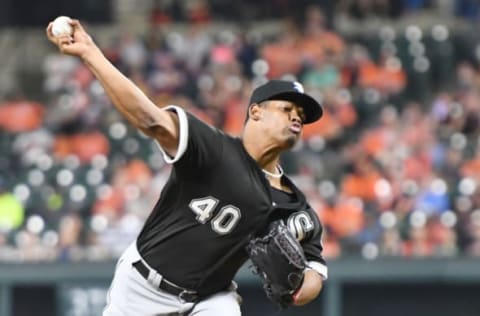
[(61, 26)]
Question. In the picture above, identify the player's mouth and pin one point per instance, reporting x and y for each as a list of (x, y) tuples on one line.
[(296, 128)]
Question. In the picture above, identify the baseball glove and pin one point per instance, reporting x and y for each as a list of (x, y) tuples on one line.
[(279, 260)]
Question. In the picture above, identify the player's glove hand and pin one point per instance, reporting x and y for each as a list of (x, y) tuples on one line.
[(279, 260)]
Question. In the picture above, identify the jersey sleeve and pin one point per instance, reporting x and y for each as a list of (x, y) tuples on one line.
[(199, 144), (313, 248)]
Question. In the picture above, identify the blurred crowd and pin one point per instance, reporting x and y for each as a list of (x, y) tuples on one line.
[(392, 168), (165, 11)]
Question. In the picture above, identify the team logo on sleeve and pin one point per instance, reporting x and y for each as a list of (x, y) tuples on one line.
[(301, 225)]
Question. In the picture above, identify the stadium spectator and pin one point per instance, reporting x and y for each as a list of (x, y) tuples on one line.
[(12, 211), (20, 115), (383, 167)]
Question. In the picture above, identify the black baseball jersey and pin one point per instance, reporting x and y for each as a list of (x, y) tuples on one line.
[(215, 198), (302, 221)]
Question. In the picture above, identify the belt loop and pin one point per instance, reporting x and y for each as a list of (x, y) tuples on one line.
[(154, 278), (157, 281)]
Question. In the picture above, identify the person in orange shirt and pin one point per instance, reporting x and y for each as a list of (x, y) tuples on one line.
[(19, 115), (318, 42), (361, 182), (282, 55), (344, 215), (418, 244), (339, 114), (83, 145)]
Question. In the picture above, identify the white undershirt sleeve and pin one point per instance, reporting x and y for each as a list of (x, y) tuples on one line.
[(319, 267), (183, 134)]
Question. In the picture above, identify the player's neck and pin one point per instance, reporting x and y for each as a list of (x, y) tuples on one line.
[(266, 156), (261, 148)]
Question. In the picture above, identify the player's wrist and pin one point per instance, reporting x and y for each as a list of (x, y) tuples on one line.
[(296, 296), (91, 55)]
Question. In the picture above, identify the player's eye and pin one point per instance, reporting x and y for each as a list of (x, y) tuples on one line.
[(300, 113), (302, 116)]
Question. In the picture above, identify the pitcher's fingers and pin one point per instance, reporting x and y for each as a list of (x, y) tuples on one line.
[(65, 40), (77, 25), (50, 35)]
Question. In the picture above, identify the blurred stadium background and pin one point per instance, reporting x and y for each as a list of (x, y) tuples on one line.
[(393, 169)]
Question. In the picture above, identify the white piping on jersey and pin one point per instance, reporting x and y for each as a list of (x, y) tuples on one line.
[(319, 268), (183, 134)]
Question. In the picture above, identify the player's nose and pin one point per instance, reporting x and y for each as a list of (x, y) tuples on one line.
[(296, 116)]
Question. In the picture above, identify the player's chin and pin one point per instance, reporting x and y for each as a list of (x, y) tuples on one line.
[(292, 140)]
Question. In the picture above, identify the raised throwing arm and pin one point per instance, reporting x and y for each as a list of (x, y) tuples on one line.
[(135, 106)]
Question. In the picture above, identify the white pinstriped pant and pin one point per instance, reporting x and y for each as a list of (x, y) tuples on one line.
[(131, 295)]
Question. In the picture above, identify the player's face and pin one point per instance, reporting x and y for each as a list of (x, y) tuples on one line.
[(283, 121)]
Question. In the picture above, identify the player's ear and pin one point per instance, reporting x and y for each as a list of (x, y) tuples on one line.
[(254, 111)]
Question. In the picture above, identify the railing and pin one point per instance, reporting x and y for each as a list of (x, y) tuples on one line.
[(79, 287)]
